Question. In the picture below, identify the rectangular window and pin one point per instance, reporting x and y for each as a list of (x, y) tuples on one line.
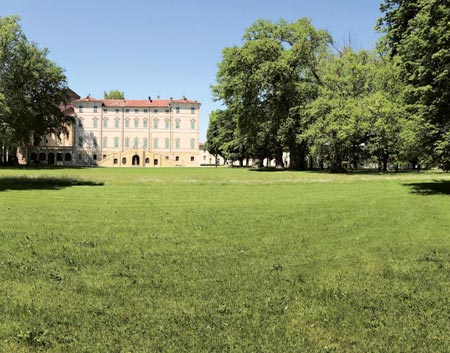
[(167, 124), (116, 161), (167, 144), (192, 144), (117, 111), (136, 142), (105, 110), (145, 142), (80, 123), (145, 123), (116, 123), (193, 124), (167, 110), (95, 109), (80, 141), (136, 111), (127, 110), (177, 158), (177, 124), (192, 110), (155, 123), (145, 110), (105, 122), (192, 158), (136, 123), (177, 143), (177, 110), (127, 123), (95, 123), (94, 141), (127, 142), (155, 111), (105, 141), (80, 109), (116, 142), (155, 143)]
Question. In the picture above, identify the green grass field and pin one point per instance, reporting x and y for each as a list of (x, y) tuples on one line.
[(223, 260)]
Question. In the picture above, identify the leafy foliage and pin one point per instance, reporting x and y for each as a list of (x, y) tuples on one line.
[(418, 33), (284, 89), (263, 83), (32, 88), (114, 94), (357, 112)]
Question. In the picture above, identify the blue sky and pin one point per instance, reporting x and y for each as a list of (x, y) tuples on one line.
[(168, 48)]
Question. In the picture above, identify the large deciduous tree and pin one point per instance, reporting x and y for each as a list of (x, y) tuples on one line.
[(265, 83), (418, 32), (32, 89), (356, 115)]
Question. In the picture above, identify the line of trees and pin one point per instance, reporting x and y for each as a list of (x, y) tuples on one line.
[(287, 89), (32, 89)]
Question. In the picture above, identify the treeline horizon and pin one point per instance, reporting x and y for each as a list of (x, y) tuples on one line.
[(288, 88)]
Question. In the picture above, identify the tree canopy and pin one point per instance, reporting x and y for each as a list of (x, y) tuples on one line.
[(113, 94), (265, 81), (32, 88), (417, 32), (286, 89)]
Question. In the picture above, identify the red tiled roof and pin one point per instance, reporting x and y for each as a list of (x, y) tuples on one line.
[(88, 99), (137, 102)]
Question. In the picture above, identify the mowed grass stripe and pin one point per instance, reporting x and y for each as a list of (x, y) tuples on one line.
[(202, 260)]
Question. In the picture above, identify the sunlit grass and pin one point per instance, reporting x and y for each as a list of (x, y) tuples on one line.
[(223, 260)]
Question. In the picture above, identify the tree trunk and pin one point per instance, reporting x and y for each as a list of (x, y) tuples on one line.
[(310, 162), (261, 162), (385, 163), (297, 154), (321, 164), (279, 158)]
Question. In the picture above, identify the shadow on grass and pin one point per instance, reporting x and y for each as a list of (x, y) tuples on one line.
[(366, 171), (436, 187), (42, 183), (41, 167), (265, 169)]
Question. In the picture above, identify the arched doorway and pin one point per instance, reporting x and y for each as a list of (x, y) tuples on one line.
[(51, 159), (135, 160)]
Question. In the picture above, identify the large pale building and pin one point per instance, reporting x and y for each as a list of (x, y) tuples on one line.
[(124, 132)]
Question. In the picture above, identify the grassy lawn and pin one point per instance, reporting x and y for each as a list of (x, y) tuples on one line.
[(223, 260)]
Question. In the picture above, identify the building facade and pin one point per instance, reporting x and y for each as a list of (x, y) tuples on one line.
[(123, 132)]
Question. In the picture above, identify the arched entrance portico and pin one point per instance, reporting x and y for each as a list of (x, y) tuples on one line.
[(135, 160)]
